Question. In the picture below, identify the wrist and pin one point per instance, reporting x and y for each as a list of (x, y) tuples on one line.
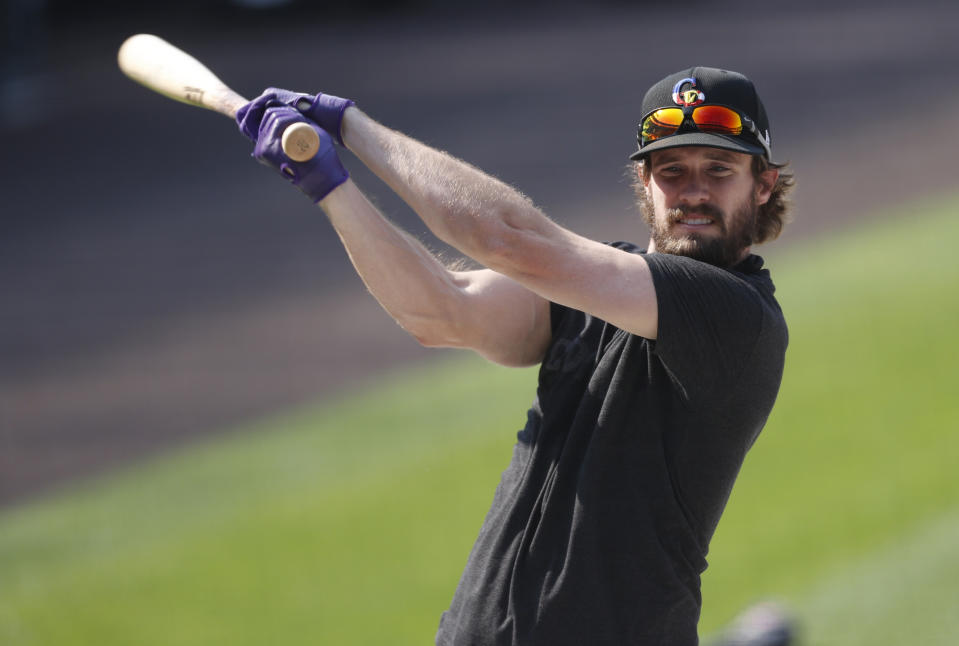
[(319, 177), (328, 111), (337, 196), (348, 124)]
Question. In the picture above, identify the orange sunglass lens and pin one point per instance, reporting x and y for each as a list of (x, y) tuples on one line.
[(716, 118), (662, 123)]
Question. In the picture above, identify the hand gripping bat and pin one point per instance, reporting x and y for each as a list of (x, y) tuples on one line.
[(164, 68)]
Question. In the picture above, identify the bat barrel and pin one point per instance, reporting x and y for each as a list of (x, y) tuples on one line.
[(167, 69)]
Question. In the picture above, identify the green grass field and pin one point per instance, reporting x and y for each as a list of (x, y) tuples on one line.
[(349, 523)]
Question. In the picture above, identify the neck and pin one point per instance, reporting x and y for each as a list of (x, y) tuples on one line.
[(651, 248)]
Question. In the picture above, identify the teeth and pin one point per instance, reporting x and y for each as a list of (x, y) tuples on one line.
[(696, 221)]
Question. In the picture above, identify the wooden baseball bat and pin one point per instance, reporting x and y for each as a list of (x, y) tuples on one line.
[(164, 68)]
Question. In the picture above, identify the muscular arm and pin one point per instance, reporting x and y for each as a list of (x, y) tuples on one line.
[(502, 229), (480, 310)]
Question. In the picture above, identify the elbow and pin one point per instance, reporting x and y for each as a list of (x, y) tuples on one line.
[(428, 338), (438, 336), (433, 329), (509, 243), (502, 234)]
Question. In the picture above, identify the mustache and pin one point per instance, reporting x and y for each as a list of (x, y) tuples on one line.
[(684, 211)]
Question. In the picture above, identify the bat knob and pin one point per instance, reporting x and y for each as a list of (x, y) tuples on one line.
[(300, 142)]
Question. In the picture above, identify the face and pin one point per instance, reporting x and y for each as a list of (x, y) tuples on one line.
[(702, 202)]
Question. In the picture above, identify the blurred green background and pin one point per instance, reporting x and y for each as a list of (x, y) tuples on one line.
[(209, 433), (349, 522)]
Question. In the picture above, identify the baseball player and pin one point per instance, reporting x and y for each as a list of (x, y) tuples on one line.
[(658, 366)]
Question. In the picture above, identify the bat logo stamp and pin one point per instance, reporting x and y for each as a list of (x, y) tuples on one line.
[(193, 94)]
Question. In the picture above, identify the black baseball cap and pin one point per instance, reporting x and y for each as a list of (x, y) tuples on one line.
[(708, 86)]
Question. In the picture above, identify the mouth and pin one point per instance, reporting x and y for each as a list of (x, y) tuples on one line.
[(694, 222), (703, 220)]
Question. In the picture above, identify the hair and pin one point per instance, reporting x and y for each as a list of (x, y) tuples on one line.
[(772, 216), (776, 212)]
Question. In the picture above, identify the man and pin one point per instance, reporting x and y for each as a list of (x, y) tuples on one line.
[(658, 368)]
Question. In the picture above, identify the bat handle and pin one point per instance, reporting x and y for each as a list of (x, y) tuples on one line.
[(219, 99)]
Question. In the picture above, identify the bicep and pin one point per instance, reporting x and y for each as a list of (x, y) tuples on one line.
[(501, 319), (601, 280)]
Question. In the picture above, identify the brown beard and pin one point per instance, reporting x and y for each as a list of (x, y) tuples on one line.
[(725, 250)]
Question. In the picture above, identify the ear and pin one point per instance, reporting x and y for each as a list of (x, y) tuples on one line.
[(643, 173), (765, 184)]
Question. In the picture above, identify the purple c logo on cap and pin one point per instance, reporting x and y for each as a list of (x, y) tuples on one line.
[(688, 97)]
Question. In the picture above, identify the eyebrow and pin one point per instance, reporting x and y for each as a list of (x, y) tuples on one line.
[(665, 158)]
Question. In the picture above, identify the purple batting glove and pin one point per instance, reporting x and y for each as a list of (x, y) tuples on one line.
[(325, 110), (317, 177)]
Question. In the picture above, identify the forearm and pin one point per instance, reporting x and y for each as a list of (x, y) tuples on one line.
[(480, 309), (461, 205), (413, 286)]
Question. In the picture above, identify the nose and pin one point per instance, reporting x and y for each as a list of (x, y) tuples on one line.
[(693, 191)]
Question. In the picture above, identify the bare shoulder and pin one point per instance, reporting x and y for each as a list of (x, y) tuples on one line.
[(614, 284), (609, 282)]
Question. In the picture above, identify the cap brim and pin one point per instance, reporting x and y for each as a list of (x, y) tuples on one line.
[(708, 139)]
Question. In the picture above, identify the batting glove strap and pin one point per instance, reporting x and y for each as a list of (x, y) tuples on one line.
[(250, 116), (327, 111)]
